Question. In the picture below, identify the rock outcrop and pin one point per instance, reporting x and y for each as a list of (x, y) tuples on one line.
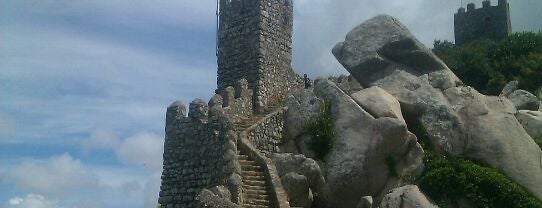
[(406, 197), (302, 179), (379, 103), (367, 151), (531, 122), (459, 120), (524, 100)]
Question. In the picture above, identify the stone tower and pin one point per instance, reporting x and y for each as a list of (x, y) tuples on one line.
[(255, 43), (490, 22)]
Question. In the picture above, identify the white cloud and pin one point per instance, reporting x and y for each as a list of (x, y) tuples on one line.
[(31, 201), (54, 177), (101, 139), (143, 149), (151, 190)]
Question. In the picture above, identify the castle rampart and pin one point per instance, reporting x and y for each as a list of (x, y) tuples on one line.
[(235, 101), (487, 22), (199, 153)]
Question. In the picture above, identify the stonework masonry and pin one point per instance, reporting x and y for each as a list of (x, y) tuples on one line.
[(255, 43), (488, 22), (267, 135), (235, 101), (199, 152), (254, 76)]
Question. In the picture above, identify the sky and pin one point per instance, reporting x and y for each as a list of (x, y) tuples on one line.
[(84, 85)]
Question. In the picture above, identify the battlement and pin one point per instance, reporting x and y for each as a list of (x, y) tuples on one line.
[(487, 22), (197, 152), (235, 101)]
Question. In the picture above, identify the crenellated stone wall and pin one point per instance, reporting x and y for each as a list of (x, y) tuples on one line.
[(490, 22), (267, 135), (199, 153), (235, 101), (255, 43)]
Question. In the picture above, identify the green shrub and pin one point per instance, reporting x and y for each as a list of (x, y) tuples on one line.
[(448, 178), (322, 132), (488, 65), (452, 178)]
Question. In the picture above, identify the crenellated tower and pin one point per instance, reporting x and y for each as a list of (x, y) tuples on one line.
[(488, 22), (255, 43)]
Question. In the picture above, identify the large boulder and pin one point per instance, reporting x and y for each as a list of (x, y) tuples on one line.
[(379, 103), (297, 188), (383, 41), (208, 199), (303, 107), (302, 178), (494, 136), (406, 197), (367, 152), (531, 122), (524, 100), (458, 120)]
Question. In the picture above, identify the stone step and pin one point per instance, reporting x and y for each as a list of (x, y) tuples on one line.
[(256, 201), (251, 168), (251, 173), (254, 206), (256, 196), (256, 188), (254, 178), (255, 192), (247, 162), (254, 183)]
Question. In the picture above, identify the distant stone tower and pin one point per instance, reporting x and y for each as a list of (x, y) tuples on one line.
[(490, 22), (255, 43)]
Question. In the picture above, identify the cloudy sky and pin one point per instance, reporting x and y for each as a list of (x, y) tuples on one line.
[(84, 84)]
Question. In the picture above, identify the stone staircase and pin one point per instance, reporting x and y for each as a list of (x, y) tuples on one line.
[(256, 190), (255, 187)]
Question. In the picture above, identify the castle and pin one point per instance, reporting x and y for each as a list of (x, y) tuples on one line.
[(488, 22), (219, 146)]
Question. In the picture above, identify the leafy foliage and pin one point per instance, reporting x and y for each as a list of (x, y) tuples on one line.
[(449, 178), (322, 131), (488, 65)]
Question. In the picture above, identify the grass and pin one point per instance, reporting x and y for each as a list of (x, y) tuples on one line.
[(322, 132)]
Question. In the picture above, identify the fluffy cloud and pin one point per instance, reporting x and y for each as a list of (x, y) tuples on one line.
[(152, 188), (55, 176), (31, 201), (143, 149), (101, 139)]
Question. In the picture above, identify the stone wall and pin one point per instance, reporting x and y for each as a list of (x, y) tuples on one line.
[(491, 22), (199, 153), (267, 135), (255, 43), (235, 101)]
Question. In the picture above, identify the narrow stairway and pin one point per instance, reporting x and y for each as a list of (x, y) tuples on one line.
[(255, 188)]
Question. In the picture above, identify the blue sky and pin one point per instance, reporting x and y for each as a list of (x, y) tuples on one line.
[(84, 84)]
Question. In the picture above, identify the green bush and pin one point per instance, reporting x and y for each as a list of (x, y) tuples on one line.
[(322, 132), (488, 65), (448, 178)]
